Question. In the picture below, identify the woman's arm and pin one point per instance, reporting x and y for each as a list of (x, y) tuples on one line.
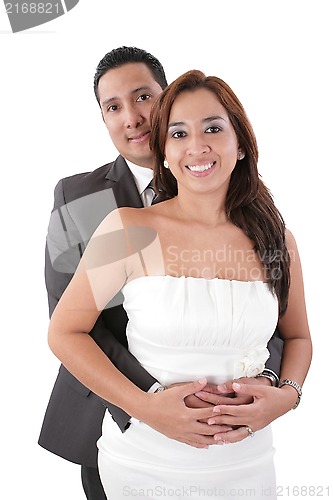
[(100, 275), (294, 328), (103, 271)]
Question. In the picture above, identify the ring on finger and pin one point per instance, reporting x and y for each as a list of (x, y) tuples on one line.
[(249, 430)]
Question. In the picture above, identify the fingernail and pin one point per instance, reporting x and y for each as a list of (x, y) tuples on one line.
[(202, 381), (236, 386), (217, 438), (216, 409), (211, 421)]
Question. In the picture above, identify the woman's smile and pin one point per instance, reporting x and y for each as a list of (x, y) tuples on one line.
[(201, 170)]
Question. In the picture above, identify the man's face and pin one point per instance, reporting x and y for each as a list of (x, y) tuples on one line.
[(126, 95)]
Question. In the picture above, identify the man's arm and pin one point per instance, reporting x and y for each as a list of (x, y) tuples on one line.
[(275, 347)]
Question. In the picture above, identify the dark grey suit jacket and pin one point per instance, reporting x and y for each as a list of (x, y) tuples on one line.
[(73, 419)]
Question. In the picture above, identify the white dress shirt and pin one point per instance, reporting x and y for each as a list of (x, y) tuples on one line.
[(142, 176)]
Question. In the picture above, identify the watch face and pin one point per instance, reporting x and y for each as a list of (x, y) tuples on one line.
[(159, 389)]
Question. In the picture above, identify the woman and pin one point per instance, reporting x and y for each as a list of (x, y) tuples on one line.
[(206, 276)]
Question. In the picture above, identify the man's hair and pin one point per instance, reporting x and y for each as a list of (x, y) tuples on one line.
[(124, 55)]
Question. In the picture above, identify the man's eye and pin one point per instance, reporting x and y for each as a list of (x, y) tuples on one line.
[(113, 107), (213, 129), (144, 97)]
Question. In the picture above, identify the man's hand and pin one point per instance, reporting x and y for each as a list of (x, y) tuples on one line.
[(209, 397), (167, 413), (224, 394)]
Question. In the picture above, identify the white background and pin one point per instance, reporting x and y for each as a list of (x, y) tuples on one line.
[(277, 57)]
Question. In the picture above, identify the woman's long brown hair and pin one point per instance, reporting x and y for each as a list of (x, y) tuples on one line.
[(249, 204)]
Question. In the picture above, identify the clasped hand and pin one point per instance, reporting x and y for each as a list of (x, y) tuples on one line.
[(201, 414)]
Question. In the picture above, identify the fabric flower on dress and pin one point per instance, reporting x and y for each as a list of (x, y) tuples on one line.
[(252, 363)]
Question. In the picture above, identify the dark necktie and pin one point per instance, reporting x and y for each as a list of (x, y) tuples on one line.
[(150, 194)]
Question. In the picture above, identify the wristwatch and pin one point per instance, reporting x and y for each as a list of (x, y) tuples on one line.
[(159, 389), (270, 375)]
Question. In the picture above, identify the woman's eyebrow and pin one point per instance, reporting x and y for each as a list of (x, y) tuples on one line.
[(215, 117)]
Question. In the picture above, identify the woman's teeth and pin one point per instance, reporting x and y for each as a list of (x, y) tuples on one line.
[(200, 168)]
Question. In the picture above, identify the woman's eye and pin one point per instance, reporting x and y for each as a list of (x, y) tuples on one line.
[(178, 134), (144, 97), (213, 129)]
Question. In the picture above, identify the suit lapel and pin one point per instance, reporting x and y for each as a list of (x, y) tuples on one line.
[(124, 187)]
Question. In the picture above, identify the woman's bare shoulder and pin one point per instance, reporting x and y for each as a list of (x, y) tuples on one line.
[(125, 217), (119, 218)]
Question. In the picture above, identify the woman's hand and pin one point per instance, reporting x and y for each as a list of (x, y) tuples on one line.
[(167, 413), (268, 403)]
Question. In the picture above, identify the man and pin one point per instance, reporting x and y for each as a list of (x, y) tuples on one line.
[(127, 81)]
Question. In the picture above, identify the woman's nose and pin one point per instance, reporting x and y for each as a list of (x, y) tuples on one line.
[(197, 146)]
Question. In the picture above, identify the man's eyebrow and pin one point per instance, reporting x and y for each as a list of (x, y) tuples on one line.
[(208, 119), (109, 100), (140, 89)]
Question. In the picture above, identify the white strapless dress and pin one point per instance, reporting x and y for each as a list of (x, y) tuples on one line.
[(183, 329)]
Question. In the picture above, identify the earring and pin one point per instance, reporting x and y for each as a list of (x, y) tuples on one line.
[(166, 164), (240, 155)]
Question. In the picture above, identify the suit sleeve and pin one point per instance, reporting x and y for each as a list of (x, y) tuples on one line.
[(64, 248), (275, 347)]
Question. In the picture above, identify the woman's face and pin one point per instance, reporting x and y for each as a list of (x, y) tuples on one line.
[(201, 146)]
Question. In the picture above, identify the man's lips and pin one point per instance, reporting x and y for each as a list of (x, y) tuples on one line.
[(140, 138)]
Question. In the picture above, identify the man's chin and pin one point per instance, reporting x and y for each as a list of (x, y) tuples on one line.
[(141, 161)]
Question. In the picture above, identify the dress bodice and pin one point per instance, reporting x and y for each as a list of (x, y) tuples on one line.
[(185, 328)]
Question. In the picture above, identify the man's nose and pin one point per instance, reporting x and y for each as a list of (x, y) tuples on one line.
[(133, 118)]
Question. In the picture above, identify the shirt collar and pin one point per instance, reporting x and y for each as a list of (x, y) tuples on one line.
[(142, 175)]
